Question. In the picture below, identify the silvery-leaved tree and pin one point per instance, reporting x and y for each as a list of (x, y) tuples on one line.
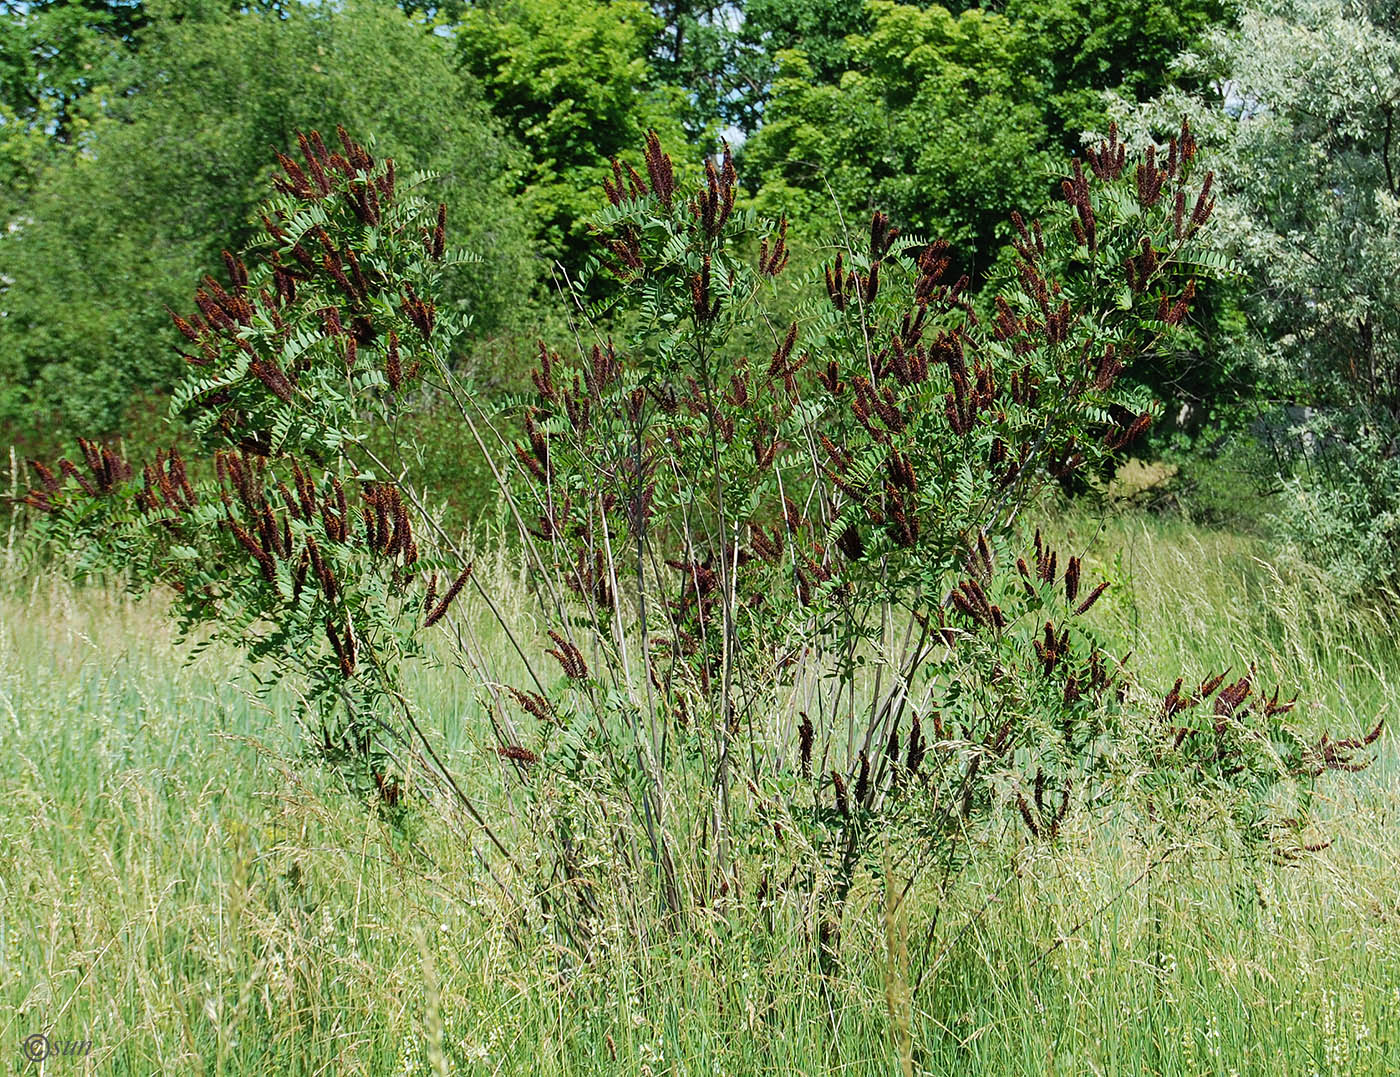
[(1301, 120), (788, 616)]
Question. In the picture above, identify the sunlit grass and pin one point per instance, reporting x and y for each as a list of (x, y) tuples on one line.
[(178, 888)]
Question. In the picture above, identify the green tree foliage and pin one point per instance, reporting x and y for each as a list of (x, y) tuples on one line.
[(695, 49), (53, 56), (171, 169), (1083, 47), (570, 81), (949, 116), (724, 54), (818, 27), (53, 53), (1306, 121), (1301, 116), (936, 115)]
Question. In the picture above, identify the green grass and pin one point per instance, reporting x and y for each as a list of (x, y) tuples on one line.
[(176, 887)]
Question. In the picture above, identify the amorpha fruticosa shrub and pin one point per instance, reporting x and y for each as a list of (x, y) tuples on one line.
[(788, 612)]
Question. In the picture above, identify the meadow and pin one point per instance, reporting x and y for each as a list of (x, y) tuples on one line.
[(713, 537), (184, 890)]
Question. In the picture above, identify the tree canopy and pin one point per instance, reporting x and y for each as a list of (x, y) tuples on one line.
[(131, 136)]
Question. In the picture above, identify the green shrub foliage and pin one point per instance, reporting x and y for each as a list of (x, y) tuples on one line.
[(789, 616), (293, 550)]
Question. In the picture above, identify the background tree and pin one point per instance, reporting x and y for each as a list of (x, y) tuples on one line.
[(1083, 47), (724, 55), (571, 82), (172, 167), (53, 53), (949, 115), (935, 115), (1300, 116)]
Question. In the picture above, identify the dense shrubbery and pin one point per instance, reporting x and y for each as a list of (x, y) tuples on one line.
[(790, 628), (724, 641)]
